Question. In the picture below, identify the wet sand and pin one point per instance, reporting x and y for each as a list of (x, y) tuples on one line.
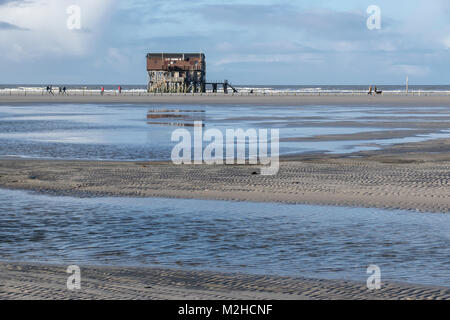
[(236, 99), (45, 282), (412, 176)]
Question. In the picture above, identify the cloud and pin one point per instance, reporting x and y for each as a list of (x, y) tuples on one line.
[(269, 58), (411, 70), (318, 22), (446, 42), (15, 2), (9, 26), (46, 21), (2, 2), (244, 40), (116, 58)]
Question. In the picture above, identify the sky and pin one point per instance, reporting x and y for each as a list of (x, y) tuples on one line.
[(260, 42)]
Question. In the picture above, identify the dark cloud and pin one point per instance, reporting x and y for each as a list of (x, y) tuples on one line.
[(8, 1), (325, 23), (9, 26)]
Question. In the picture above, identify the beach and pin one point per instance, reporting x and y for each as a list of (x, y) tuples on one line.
[(208, 150), (411, 176), (48, 282), (199, 99), (402, 177)]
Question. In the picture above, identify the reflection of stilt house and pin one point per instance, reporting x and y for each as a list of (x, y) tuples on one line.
[(176, 72)]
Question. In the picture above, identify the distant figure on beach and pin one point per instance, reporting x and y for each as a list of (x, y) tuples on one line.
[(378, 91), (60, 90), (251, 91), (370, 90), (64, 90), (102, 91), (120, 89), (50, 89)]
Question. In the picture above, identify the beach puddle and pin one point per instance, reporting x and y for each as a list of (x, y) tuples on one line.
[(143, 132), (256, 238)]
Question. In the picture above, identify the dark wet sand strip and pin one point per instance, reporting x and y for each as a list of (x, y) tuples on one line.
[(31, 281), (237, 99), (412, 176)]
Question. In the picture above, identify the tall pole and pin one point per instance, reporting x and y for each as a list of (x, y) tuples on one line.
[(407, 84)]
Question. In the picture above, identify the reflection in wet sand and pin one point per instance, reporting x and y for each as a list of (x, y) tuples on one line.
[(143, 132), (177, 124), (185, 118)]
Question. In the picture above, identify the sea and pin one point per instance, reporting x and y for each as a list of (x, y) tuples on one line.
[(267, 89)]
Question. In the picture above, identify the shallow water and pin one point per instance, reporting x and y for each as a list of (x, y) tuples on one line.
[(143, 132), (257, 238)]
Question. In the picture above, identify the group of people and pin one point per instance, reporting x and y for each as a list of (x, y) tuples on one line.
[(374, 90), (61, 90), (102, 90)]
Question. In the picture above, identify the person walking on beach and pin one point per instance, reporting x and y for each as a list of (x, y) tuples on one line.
[(370, 90), (64, 90), (102, 91), (120, 89), (378, 91), (60, 90), (50, 89)]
